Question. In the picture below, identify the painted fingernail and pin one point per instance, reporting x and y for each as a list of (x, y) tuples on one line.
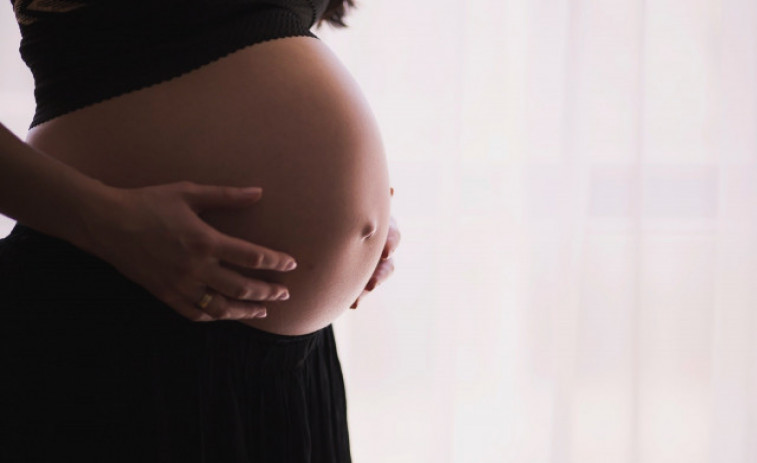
[(385, 254), (371, 285), (354, 305)]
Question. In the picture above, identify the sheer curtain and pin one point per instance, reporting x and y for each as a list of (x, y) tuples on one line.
[(575, 185)]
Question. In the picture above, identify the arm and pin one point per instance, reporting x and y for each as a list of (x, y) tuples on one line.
[(152, 235), (46, 194)]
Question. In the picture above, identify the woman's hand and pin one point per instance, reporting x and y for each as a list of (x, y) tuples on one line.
[(385, 266), (154, 236)]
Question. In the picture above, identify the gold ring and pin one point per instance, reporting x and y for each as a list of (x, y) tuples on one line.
[(206, 298)]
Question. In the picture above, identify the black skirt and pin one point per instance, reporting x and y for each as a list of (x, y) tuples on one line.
[(93, 368)]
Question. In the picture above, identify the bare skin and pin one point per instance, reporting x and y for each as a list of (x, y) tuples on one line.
[(385, 266), (152, 235), (284, 115)]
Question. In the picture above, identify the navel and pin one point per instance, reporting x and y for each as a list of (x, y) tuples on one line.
[(369, 229)]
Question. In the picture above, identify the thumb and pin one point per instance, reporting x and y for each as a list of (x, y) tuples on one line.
[(202, 197)]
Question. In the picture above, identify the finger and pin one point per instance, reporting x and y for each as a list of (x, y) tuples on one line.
[(357, 301), (201, 197), (236, 286), (245, 254), (179, 301), (222, 308), (192, 313), (382, 272), (354, 304), (392, 239)]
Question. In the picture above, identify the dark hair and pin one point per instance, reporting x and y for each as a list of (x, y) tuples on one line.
[(335, 11)]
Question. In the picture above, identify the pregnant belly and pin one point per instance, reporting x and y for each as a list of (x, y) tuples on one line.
[(284, 115)]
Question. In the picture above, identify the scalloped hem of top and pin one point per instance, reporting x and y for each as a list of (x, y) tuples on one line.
[(40, 119)]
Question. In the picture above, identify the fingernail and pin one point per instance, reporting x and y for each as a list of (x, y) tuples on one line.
[(371, 285), (391, 191), (262, 314), (284, 296), (291, 265), (354, 305), (385, 254)]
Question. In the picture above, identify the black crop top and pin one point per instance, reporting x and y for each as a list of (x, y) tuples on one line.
[(81, 52)]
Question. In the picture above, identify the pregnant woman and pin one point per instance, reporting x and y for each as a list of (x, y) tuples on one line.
[(134, 229)]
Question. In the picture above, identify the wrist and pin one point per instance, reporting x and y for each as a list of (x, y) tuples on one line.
[(51, 196), (96, 206)]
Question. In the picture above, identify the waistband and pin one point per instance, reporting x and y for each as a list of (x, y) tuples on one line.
[(65, 262)]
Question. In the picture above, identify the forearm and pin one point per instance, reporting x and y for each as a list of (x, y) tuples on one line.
[(46, 194)]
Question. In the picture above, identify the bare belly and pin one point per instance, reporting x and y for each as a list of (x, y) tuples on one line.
[(284, 115)]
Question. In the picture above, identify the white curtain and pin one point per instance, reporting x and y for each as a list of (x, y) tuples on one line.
[(575, 185)]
